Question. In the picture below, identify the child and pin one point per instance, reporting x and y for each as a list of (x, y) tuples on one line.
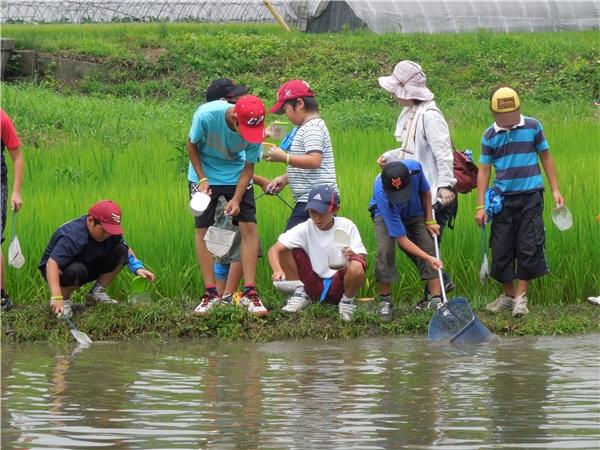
[(513, 144), (223, 148), (89, 248), (10, 140), (402, 214), (300, 256), (310, 160)]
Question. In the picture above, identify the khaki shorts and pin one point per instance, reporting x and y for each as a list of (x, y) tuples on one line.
[(385, 256)]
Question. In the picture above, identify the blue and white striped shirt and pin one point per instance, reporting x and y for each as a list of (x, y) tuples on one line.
[(514, 154)]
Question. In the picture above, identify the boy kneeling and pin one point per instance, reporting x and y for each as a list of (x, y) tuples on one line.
[(89, 248), (300, 256)]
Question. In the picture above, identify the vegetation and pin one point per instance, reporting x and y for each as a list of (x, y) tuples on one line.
[(123, 138)]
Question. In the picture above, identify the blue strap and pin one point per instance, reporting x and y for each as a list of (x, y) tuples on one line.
[(134, 264), (326, 287), (286, 142)]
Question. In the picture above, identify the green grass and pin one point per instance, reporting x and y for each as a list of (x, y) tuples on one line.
[(130, 148), (80, 149)]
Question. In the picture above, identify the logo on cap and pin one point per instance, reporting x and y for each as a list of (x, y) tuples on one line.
[(506, 103), (317, 197), (396, 183), (116, 218)]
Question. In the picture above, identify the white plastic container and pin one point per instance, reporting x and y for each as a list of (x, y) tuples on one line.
[(198, 203), (562, 218)]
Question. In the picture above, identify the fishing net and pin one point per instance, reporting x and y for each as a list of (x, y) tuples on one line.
[(456, 321)]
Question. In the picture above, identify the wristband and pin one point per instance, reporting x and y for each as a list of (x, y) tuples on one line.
[(431, 222), (287, 159), (479, 207), (57, 297), (134, 264), (202, 180)]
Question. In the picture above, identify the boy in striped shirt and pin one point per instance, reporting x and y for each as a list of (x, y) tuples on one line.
[(310, 160), (513, 145)]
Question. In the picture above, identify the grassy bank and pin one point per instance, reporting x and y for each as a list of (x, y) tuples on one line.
[(80, 148)]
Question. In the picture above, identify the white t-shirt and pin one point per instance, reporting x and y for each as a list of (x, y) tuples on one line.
[(317, 242)]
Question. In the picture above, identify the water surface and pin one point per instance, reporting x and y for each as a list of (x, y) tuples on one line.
[(368, 393)]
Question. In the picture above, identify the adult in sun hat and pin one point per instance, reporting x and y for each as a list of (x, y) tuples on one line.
[(223, 146), (402, 215), (513, 144), (424, 135), (309, 160), (300, 256), (11, 142), (88, 248)]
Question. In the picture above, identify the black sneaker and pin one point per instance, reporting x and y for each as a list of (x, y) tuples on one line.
[(422, 304), (449, 286), (385, 310)]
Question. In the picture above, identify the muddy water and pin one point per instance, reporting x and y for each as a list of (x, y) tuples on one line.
[(368, 393)]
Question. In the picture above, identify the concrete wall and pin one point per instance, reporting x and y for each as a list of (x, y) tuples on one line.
[(33, 64)]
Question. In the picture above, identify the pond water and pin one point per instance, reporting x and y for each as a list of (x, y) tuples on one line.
[(536, 392)]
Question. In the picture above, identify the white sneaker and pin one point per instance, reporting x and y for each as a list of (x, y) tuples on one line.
[(98, 295), (252, 302), (296, 302), (208, 302), (594, 300), (520, 306), (346, 309), (501, 303), (287, 286)]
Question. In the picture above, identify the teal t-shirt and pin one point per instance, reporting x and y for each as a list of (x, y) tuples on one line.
[(223, 152)]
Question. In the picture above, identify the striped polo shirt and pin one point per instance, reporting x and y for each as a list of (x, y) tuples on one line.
[(311, 137), (514, 154)]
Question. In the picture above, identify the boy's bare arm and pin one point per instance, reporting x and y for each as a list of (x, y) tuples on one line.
[(550, 170), (18, 171), (308, 161), (483, 179), (410, 247), (274, 261), (194, 156)]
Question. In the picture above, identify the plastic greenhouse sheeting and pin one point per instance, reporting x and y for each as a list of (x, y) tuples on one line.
[(432, 16)]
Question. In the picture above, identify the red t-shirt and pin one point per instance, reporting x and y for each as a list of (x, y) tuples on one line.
[(10, 140)]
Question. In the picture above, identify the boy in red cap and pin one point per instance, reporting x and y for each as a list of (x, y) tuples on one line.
[(89, 248), (223, 146), (10, 140), (309, 161)]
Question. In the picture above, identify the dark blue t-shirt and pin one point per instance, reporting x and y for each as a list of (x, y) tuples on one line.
[(73, 242)]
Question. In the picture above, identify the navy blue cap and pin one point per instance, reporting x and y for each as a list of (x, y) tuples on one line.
[(323, 199)]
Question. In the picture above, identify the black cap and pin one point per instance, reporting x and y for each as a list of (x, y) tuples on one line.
[(396, 181), (224, 88)]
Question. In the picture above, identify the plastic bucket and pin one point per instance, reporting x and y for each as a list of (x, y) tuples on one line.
[(562, 218), (198, 203)]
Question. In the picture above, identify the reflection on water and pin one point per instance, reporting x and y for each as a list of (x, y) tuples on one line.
[(371, 393)]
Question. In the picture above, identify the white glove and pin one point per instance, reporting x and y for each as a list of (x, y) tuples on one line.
[(445, 196)]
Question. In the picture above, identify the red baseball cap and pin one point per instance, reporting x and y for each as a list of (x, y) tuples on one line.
[(108, 214), (289, 91), (250, 113)]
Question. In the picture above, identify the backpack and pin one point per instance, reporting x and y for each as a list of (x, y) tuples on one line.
[(465, 171)]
